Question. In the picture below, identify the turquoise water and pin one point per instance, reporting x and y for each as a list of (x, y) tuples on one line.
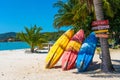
[(13, 45)]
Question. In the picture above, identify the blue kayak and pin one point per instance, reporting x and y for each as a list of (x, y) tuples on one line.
[(86, 53)]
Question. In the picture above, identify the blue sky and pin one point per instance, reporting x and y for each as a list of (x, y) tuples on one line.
[(16, 14)]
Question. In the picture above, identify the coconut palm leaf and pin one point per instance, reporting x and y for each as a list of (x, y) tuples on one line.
[(32, 36)]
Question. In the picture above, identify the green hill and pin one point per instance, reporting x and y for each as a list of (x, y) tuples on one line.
[(50, 36), (5, 36)]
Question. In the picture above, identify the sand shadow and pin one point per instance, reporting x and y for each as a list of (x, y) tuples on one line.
[(95, 71), (35, 52), (108, 75), (116, 66), (57, 67), (92, 69), (94, 66), (41, 52), (116, 60)]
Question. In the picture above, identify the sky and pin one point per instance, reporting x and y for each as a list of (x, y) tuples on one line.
[(16, 14)]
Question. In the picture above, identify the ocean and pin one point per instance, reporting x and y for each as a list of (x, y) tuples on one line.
[(13, 45)]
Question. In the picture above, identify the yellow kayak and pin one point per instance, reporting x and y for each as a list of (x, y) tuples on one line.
[(57, 49)]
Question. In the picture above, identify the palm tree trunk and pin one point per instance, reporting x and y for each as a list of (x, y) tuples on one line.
[(106, 65), (32, 48)]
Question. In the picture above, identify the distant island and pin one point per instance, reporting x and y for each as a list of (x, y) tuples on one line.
[(11, 36)]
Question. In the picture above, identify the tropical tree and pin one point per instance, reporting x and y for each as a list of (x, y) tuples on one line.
[(82, 13), (115, 21), (32, 37), (64, 17), (115, 29), (106, 60), (72, 14)]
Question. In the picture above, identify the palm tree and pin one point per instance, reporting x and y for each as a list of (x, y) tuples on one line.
[(72, 14), (78, 14), (32, 36), (64, 15), (75, 13), (106, 60), (115, 22)]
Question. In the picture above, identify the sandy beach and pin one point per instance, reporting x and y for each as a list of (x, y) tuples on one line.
[(18, 65)]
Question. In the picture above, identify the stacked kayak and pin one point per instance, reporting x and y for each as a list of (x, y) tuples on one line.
[(86, 53), (71, 51), (74, 50), (57, 49)]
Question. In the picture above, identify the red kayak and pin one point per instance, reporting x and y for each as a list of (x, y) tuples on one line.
[(71, 51)]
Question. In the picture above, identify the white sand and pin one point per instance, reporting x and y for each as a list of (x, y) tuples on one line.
[(18, 65)]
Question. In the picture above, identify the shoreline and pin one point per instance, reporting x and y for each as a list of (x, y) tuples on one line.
[(15, 49), (18, 65)]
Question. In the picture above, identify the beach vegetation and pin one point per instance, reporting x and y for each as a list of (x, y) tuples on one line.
[(72, 14), (32, 36), (79, 14), (52, 36)]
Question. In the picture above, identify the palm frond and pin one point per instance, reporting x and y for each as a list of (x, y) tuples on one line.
[(32, 36), (107, 7)]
